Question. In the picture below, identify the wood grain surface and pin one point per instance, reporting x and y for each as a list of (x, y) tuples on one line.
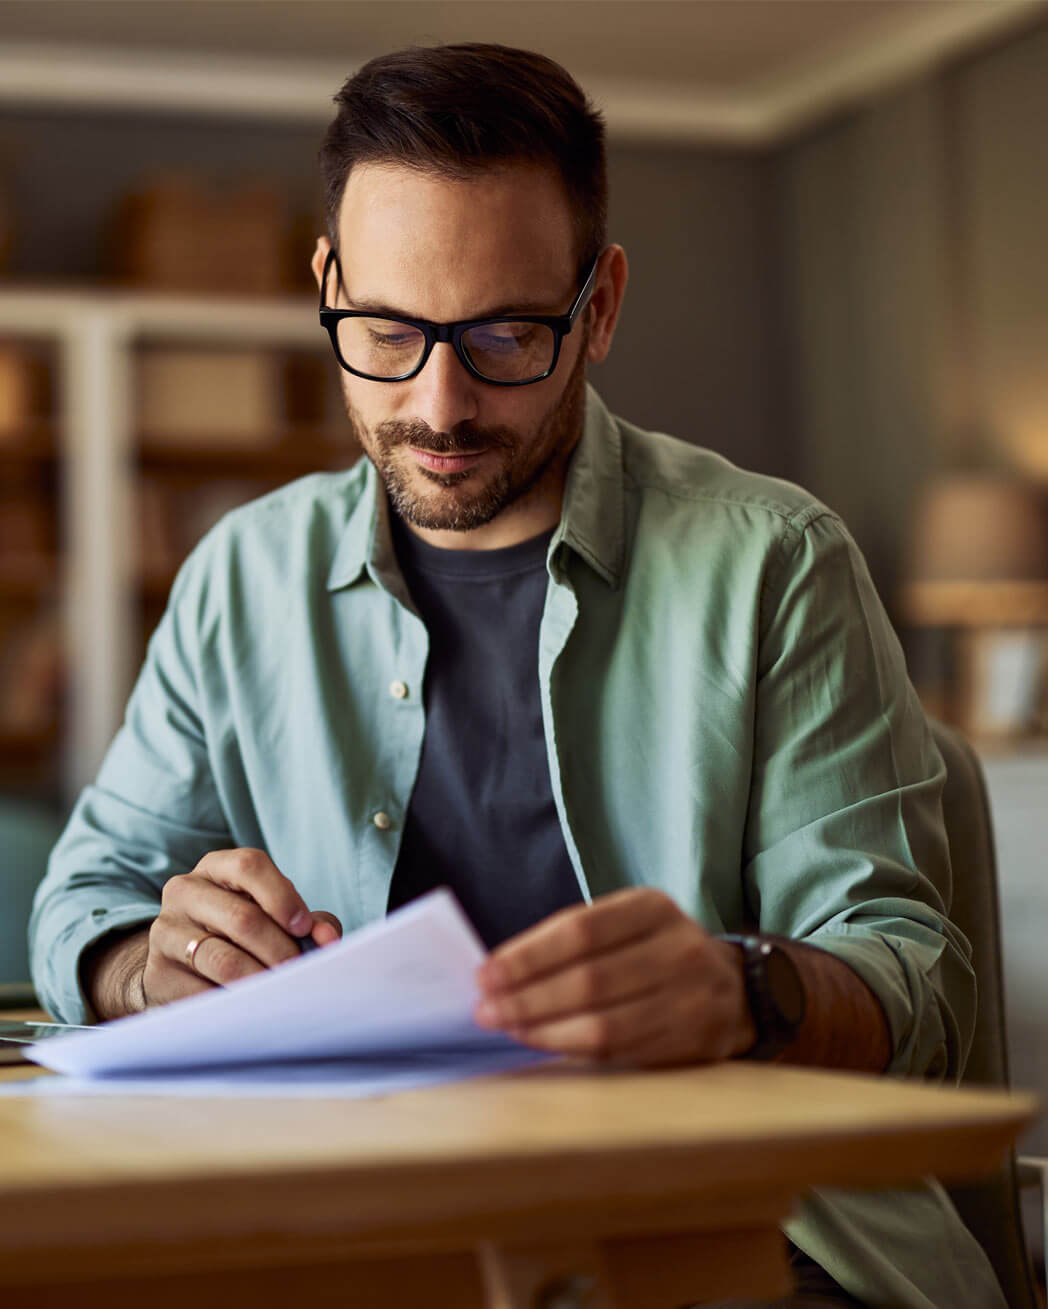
[(609, 1162)]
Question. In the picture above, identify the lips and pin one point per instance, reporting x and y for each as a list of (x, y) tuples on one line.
[(456, 463)]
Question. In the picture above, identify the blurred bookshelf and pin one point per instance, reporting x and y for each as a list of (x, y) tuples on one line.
[(32, 657), (130, 422)]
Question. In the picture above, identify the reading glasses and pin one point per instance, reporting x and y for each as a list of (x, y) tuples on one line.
[(501, 351)]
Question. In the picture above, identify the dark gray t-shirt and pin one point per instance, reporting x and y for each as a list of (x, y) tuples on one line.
[(482, 818)]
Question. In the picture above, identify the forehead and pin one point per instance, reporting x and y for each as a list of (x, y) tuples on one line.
[(440, 246)]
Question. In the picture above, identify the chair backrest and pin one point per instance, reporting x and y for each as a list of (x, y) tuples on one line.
[(990, 1208), (27, 833)]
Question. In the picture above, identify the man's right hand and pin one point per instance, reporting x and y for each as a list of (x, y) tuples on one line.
[(245, 914)]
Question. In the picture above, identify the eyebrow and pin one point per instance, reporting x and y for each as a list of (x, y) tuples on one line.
[(508, 309)]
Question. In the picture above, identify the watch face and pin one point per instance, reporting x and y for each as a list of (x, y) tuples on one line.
[(785, 986)]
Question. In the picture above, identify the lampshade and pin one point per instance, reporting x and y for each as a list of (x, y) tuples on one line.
[(978, 566), (979, 528)]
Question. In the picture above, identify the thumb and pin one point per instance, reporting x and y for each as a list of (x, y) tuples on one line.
[(326, 927)]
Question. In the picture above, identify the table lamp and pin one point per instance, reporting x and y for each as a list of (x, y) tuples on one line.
[(977, 565)]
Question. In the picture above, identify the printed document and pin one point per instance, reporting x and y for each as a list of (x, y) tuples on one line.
[(387, 1007)]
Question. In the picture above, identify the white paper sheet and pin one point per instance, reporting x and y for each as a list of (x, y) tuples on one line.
[(403, 984), (334, 1079)]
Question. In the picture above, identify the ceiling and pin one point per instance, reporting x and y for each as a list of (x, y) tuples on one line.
[(733, 68), (722, 43)]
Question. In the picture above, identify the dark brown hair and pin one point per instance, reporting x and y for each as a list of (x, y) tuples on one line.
[(456, 110)]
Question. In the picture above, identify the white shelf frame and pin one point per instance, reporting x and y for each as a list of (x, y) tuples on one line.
[(95, 334)]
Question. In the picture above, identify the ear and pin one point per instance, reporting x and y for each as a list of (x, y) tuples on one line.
[(320, 255), (606, 301)]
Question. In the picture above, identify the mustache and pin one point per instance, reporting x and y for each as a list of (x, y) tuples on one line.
[(465, 438)]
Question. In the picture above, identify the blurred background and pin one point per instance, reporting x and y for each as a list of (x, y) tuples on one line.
[(835, 213)]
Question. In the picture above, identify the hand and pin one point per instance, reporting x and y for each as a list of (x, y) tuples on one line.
[(249, 914), (628, 979)]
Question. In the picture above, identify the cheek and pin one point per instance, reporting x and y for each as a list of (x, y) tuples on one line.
[(369, 403), (526, 408), (514, 409)]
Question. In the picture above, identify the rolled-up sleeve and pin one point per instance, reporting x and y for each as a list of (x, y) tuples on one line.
[(845, 845), (153, 811)]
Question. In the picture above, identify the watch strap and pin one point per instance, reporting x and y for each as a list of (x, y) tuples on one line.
[(774, 1031)]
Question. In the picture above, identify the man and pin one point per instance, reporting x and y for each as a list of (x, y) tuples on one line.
[(624, 698)]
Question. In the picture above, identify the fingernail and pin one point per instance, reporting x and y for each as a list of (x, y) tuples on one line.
[(324, 934), (301, 923), (486, 1014)]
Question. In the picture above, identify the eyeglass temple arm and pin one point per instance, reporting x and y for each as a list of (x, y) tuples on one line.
[(331, 255), (582, 299)]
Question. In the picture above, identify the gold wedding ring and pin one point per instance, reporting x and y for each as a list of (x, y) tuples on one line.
[(193, 946)]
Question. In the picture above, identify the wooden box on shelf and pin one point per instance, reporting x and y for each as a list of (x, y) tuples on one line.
[(23, 393), (32, 658), (32, 663), (181, 233), (27, 526), (33, 677), (216, 428), (204, 397)]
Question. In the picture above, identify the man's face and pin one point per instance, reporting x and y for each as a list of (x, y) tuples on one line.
[(455, 452)]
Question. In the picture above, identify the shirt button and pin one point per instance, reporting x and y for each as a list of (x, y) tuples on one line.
[(382, 821), (398, 690)]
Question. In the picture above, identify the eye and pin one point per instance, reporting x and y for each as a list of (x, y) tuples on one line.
[(502, 337), (393, 338)]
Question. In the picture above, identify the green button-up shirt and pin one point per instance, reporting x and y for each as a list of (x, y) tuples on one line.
[(727, 717)]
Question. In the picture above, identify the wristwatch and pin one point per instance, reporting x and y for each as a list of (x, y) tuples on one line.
[(774, 992)]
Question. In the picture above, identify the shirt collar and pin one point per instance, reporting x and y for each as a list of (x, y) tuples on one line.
[(368, 520), (591, 521)]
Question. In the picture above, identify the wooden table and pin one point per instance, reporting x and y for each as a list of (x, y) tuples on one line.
[(650, 1190)]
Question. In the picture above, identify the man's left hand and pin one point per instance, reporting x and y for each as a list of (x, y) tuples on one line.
[(629, 979)]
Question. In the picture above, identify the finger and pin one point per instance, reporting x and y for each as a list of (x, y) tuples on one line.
[(235, 916), (326, 927), (600, 980), (600, 1034), (576, 933), (161, 987), (253, 873), (163, 979), (696, 1027), (221, 962), (171, 936), (659, 1048)]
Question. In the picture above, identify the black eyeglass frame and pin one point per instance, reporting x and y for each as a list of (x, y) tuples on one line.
[(452, 333)]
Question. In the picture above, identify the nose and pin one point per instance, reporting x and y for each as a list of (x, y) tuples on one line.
[(444, 394)]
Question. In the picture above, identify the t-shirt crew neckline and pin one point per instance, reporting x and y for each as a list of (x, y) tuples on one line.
[(419, 556)]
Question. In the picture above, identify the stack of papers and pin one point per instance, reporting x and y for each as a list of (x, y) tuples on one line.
[(388, 1007)]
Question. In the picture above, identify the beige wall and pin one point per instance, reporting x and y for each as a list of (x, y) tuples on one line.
[(697, 352), (1003, 103), (917, 289)]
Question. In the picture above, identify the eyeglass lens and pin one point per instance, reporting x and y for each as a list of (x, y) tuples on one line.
[(509, 351)]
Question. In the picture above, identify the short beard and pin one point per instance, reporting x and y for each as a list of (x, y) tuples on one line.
[(524, 463)]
